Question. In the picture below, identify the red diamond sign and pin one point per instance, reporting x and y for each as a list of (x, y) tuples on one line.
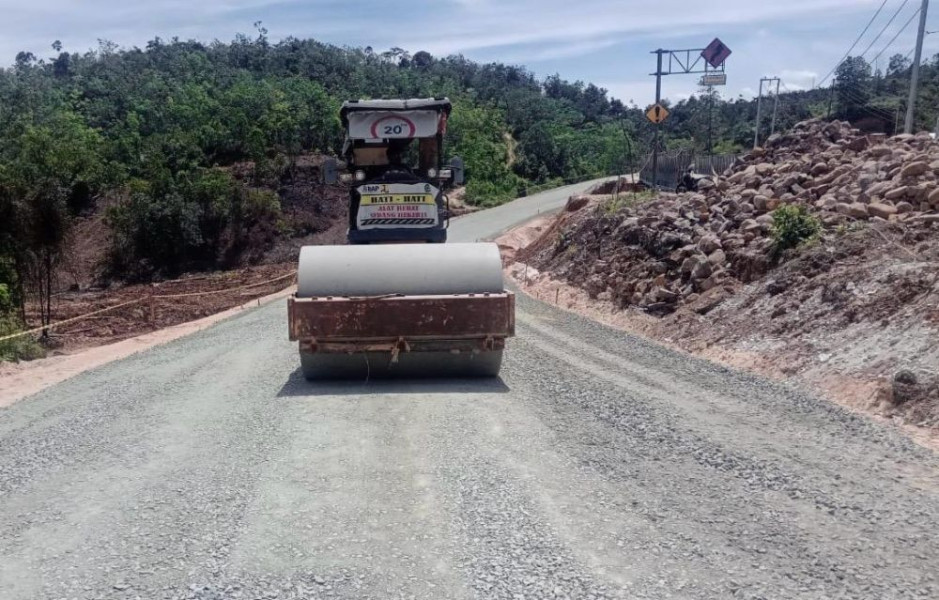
[(716, 53)]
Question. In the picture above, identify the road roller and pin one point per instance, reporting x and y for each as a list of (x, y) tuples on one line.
[(397, 300)]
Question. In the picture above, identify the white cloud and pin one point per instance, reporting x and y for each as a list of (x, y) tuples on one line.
[(484, 25), (565, 49), (799, 80), (456, 26), (631, 92)]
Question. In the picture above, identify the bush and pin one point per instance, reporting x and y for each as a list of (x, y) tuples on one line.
[(201, 219), (21, 348), (6, 299), (792, 226)]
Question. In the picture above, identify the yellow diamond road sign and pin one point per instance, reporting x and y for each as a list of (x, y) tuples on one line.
[(657, 113)]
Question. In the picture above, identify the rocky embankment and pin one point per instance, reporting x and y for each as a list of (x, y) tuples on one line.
[(852, 309)]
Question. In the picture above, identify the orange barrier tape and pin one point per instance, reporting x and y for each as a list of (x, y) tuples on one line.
[(242, 287), (72, 320), (138, 301)]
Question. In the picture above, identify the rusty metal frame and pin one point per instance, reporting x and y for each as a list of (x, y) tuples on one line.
[(457, 323)]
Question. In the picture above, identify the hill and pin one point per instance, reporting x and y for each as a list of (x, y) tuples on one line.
[(198, 156)]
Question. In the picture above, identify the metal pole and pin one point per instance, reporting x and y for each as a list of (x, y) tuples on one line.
[(710, 118), (831, 98), (917, 57), (775, 106), (655, 144), (756, 133)]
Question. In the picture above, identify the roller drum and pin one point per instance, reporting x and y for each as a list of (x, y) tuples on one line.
[(407, 269)]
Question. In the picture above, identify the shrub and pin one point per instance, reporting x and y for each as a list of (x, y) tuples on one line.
[(202, 219), (792, 226), (6, 299), (21, 348)]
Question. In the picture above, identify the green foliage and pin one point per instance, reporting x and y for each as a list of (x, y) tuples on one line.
[(792, 226), (477, 134), (153, 126), (854, 87), (6, 299), (195, 220), (21, 348)]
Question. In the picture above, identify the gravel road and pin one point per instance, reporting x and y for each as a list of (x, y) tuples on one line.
[(599, 466)]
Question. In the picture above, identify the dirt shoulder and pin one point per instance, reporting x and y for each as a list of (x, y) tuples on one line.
[(147, 308), (25, 378)]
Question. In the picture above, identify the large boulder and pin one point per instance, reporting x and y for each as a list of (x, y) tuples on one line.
[(914, 169), (709, 243), (884, 211), (858, 210)]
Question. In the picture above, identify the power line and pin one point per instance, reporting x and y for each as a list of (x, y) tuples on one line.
[(902, 29), (884, 30), (874, 111), (848, 53), (857, 97)]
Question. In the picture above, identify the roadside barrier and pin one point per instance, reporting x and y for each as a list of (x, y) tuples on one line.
[(151, 299)]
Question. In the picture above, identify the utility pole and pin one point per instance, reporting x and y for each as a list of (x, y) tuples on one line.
[(775, 106), (756, 130), (759, 102), (831, 98), (917, 57)]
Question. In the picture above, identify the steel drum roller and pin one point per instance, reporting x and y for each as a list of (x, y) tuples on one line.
[(406, 269)]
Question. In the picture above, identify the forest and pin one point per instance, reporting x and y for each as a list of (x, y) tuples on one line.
[(151, 137)]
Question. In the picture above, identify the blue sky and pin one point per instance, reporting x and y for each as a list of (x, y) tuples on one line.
[(602, 41)]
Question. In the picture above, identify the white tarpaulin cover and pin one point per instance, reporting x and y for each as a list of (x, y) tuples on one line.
[(366, 125), (394, 205)]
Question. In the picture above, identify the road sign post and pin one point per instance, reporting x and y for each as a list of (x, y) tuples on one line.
[(682, 62), (655, 143)]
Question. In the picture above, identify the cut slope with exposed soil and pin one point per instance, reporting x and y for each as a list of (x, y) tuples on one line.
[(854, 313)]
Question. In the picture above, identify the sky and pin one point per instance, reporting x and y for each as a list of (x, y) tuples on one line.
[(606, 42)]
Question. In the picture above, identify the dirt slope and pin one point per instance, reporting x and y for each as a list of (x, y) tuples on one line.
[(854, 312)]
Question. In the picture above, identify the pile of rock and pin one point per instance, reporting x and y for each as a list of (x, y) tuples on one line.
[(845, 174), (672, 250)]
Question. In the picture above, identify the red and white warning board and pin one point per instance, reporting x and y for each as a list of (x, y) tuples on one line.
[(394, 205), (368, 125)]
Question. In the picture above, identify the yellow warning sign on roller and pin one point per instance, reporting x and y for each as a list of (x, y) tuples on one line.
[(657, 113)]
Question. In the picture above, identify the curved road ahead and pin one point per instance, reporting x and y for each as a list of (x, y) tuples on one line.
[(599, 466)]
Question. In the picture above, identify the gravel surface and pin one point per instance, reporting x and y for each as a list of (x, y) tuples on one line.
[(599, 466)]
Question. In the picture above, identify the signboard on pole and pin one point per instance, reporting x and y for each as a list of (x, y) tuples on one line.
[(657, 113), (716, 53), (714, 79)]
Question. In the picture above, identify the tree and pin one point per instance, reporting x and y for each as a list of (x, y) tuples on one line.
[(422, 59), (853, 87), (898, 65), (53, 165)]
